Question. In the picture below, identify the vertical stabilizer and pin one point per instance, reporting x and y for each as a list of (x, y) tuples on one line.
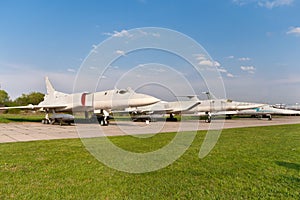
[(49, 86), (210, 96)]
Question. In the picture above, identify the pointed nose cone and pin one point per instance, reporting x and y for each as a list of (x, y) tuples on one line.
[(137, 100)]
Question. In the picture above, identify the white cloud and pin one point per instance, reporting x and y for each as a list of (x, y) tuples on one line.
[(94, 47), (265, 3), (240, 2), (200, 57), (276, 3), (217, 64), (155, 34), (120, 52), (122, 33), (114, 67), (249, 69), (230, 75), (222, 70), (210, 63), (246, 68), (205, 61), (71, 70), (230, 57), (294, 31), (244, 59), (144, 33)]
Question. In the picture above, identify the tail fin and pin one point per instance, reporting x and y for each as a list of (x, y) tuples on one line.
[(49, 86), (210, 96), (193, 97)]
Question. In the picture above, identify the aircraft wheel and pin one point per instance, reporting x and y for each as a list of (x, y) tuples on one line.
[(104, 123), (270, 117), (101, 121), (208, 119)]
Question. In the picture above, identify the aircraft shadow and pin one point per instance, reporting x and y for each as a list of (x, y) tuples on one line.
[(288, 165)]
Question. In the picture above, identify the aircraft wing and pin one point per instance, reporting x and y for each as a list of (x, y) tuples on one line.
[(175, 107), (141, 111), (219, 113), (185, 107), (166, 108), (17, 107), (34, 107)]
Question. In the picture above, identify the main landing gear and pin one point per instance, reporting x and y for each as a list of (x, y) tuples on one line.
[(102, 116), (209, 117), (171, 118)]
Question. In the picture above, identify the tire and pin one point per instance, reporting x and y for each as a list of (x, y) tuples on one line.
[(209, 120)]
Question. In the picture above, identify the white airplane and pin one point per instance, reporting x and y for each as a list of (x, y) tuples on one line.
[(293, 107), (99, 102), (163, 107), (214, 107), (267, 111), (195, 107)]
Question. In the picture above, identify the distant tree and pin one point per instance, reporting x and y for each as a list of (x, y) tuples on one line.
[(32, 98), (4, 98)]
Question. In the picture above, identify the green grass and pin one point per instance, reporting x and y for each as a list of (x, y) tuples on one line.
[(22, 117), (247, 163)]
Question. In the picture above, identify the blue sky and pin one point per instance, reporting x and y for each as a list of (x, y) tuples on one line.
[(256, 42)]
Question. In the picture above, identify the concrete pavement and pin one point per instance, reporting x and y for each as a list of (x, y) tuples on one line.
[(28, 131)]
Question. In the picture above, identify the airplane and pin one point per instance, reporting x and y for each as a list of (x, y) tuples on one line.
[(161, 108), (293, 107), (267, 111), (194, 107), (213, 107), (98, 102)]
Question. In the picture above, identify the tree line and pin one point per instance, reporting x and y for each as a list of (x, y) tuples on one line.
[(33, 98)]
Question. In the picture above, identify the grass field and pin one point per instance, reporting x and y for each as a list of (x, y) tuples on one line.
[(23, 117), (247, 163)]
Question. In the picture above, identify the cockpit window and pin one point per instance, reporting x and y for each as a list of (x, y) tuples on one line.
[(122, 91)]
